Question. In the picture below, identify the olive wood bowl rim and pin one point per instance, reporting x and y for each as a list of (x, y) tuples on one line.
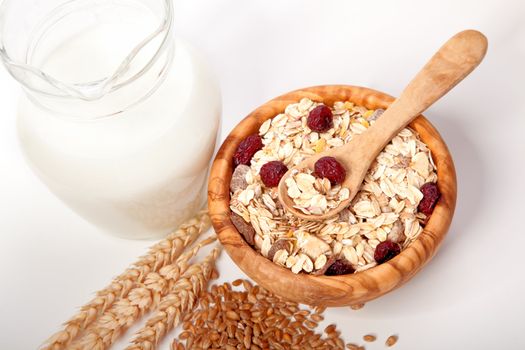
[(323, 290)]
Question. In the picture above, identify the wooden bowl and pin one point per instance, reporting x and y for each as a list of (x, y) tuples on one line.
[(324, 290)]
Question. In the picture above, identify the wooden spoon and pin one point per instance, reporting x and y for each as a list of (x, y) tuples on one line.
[(451, 64)]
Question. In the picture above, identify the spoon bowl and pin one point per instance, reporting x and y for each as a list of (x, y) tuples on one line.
[(356, 169)]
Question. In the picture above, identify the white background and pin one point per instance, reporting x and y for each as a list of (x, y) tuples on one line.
[(471, 296)]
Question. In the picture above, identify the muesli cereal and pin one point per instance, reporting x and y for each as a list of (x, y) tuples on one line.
[(384, 212), (314, 195)]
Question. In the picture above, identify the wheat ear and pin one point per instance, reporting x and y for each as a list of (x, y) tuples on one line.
[(109, 327), (181, 300), (161, 254)]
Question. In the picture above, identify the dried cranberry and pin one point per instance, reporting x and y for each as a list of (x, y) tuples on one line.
[(320, 119), (431, 195), (331, 169), (339, 267), (385, 251), (247, 148), (272, 172)]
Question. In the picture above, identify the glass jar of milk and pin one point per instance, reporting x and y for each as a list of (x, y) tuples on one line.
[(118, 118)]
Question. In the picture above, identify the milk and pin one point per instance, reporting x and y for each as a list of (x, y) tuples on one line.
[(137, 173)]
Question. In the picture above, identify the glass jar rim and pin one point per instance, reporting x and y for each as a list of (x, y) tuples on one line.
[(97, 88)]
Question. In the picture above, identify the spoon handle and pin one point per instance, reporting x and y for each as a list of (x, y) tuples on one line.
[(450, 65)]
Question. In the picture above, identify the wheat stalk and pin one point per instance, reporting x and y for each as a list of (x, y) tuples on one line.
[(109, 327), (160, 255), (181, 300)]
